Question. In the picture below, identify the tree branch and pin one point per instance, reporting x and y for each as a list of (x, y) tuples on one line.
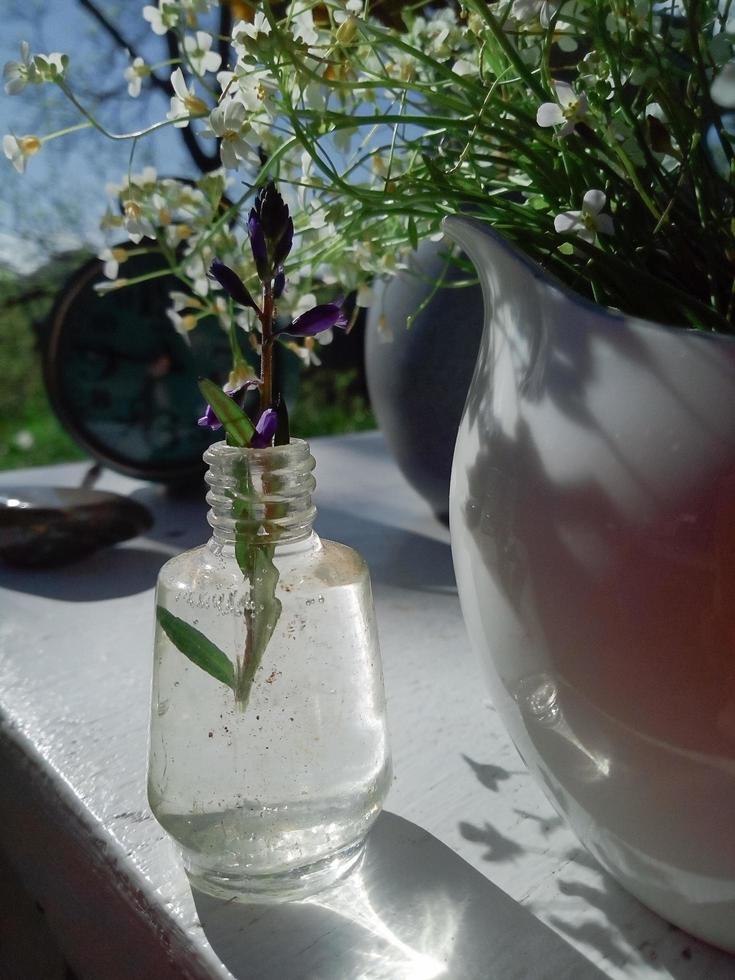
[(204, 161), (121, 41), (225, 30)]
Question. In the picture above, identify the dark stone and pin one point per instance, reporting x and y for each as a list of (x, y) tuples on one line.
[(418, 378), (45, 526)]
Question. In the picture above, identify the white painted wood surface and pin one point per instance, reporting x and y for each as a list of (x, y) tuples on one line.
[(75, 659)]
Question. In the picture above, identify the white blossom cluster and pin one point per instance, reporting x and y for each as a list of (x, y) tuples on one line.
[(375, 133)]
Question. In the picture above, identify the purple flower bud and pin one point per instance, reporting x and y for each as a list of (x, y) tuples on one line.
[(272, 211), (232, 284), (279, 284), (265, 429), (284, 244), (258, 246), (209, 420), (317, 319)]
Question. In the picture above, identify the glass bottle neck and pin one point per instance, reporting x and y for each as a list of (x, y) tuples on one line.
[(262, 495)]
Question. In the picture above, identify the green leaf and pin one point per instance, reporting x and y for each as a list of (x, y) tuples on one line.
[(265, 580), (261, 620), (413, 235), (237, 425), (196, 647)]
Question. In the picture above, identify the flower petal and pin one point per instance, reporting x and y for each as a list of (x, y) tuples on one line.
[(179, 84), (209, 420), (285, 242), (723, 87), (549, 114), (565, 94), (265, 429), (568, 221), (605, 224), (232, 284), (258, 245), (317, 319), (594, 201)]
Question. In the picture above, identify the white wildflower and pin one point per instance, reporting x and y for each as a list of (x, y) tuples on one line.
[(138, 226), (567, 111), (18, 74), (199, 54), (302, 28), (185, 103), (162, 18), (134, 75), (32, 70), (242, 31), (49, 67), (182, 324), (183, 301), (228, 123), (589, 222), (305, 352), (112, 259), (534, 11), (464, 67), (19, 149)]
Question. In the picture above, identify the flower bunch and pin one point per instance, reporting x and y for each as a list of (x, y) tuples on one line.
[(270, 231), (596, 135)]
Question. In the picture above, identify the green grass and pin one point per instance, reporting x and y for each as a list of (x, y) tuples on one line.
[(329, 403), (49, 443)]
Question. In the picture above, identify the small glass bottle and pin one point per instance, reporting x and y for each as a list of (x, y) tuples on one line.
[(270, 782)]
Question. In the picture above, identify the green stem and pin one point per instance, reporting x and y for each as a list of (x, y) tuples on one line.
[(64, 132), (106, 132)]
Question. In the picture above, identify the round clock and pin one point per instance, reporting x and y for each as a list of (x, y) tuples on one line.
[(121, 379)]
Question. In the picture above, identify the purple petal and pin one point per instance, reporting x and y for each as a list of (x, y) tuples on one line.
[(209, 420), (317, 319), (279, 284), (231, 283), (285, 242), (258, 245), (265, 429)]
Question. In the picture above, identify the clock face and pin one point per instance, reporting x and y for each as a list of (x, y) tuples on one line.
[(123, 381)]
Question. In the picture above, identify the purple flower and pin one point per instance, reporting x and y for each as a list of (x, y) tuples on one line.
[(317, 319), (265, 429), (258, 246), (209, 420), (232, 284), (279, 284), (271, 230), (272, 211)]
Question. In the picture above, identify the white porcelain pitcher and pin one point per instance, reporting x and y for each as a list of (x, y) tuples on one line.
[(592, 516)]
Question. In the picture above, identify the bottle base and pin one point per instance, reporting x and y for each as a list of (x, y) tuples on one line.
[(294, 883)]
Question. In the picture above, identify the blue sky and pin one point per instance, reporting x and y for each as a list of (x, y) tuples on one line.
[(59, 200)]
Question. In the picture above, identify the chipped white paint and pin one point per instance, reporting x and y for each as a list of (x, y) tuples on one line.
[(75, 657)]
